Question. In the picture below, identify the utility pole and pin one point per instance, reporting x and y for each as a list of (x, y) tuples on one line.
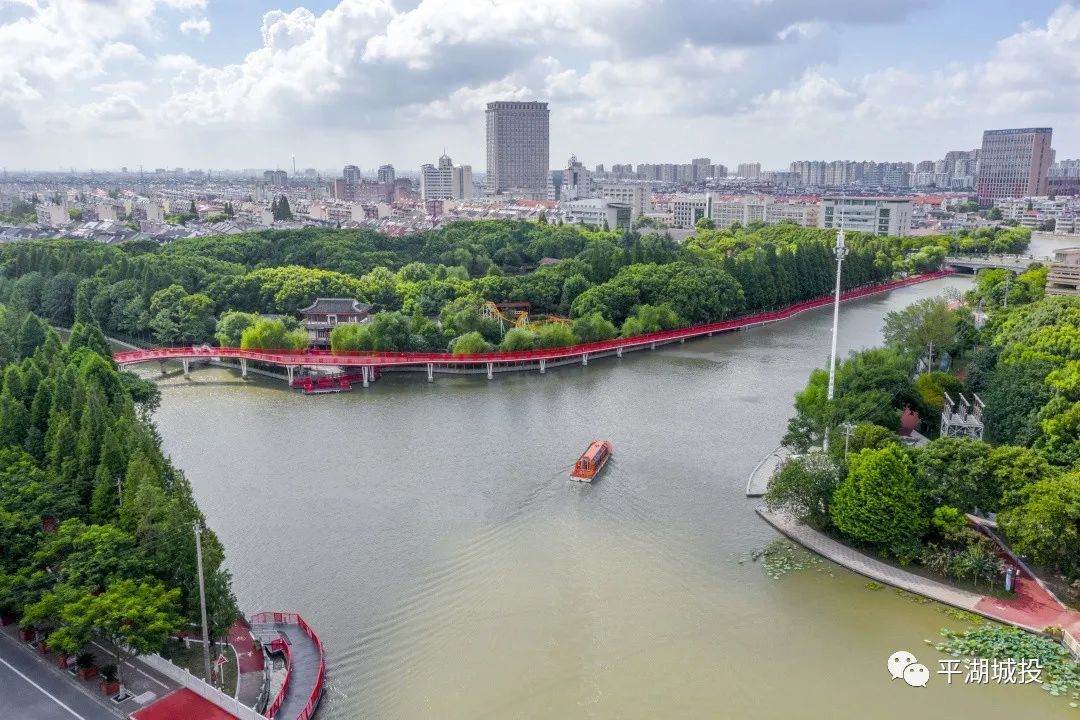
[(202, 602), (841, 250), (848, 427)]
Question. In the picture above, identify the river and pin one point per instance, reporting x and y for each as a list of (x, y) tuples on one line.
[(430, 534)]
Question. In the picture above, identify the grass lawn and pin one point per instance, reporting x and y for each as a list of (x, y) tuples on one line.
[(191, 659)]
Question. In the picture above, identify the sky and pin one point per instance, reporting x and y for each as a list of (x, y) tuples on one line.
[(250, 83)]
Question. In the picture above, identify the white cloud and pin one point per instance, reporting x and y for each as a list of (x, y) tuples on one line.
[(195, 26), (648, 72)]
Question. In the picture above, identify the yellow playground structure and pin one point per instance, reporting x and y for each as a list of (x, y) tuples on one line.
[(516, 314)]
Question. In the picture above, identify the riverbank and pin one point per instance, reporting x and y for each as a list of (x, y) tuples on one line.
[(1033, 608)]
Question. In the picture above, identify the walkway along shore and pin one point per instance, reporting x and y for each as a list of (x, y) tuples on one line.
[(1033, 607), (370, 363)]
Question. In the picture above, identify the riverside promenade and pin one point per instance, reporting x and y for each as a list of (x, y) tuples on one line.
[(371, 363), (1032, 607)]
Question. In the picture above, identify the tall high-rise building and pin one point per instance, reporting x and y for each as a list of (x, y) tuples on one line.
[(517, 147), (386, 174), (750, 171), (278, 178), (447, 181), (1014, 163), (351, 173)]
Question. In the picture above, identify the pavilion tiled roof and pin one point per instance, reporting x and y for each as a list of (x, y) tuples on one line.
[(336, 306)]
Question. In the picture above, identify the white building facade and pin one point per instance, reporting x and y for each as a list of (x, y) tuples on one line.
[(446, 181), (878, 215)]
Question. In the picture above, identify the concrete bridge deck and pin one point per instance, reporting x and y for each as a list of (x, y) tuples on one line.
[(288, 633), (974, 263)]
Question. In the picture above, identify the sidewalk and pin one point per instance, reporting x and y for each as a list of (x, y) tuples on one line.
[(1034, 602), (1033, 608), (143, 683), (251, 679)]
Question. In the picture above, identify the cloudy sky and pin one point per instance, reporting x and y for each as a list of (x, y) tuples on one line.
[(248, 83)]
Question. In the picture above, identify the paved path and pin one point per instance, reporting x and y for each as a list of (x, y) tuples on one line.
[(1032, 608), (1033, 602), (31, 690), (762, 474), (250, 662), (863, 564), (304, 675)]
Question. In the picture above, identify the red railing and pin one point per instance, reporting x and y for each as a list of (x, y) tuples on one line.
[(279, 644), (374, 358)]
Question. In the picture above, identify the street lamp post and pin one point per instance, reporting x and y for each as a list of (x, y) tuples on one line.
[(202, 601), (841, 250)]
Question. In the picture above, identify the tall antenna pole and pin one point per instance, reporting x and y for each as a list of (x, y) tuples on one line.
[(841, 250), (202, 602)]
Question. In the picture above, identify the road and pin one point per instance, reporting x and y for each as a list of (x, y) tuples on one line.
[(31, 691)]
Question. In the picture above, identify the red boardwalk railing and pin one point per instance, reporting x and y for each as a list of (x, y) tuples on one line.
[(280, 645), (312, 357)]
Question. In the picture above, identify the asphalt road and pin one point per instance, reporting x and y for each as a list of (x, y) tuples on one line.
[(31, 691)]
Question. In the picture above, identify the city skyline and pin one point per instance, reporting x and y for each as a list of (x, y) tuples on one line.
[(184, 82)]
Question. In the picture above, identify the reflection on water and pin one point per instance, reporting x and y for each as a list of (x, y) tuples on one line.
[(431, 535)]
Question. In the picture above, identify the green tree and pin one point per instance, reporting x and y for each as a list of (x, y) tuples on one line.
[(268, 334), (878, 502), (58, 297), (88, 335), (650, 319), (135, 618), (1045, 525), (553, 335), (956, 472), (32, 334), (469, 343), (924, 323), (231, 326), (593, 327), (518, 339), (803, 487), (351, 336), (572, 287)]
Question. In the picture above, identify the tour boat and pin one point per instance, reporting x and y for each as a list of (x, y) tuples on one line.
[(591, 461)]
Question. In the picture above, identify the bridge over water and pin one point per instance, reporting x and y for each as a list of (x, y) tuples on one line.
[(975, 263), (369, 363)]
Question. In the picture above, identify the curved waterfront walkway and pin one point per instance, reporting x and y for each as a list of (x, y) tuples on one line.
[(1032, 608), (305, 663), (758, 483)]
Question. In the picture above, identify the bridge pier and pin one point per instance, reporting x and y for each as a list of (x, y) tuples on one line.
[(710, 334), (585, 359), (490, 369), (366, 373), (162, 364), (289, 370), (243, 367), (618, 352), (187, 367), (652, 346), (431, 372), (682, 341), (543, 366)]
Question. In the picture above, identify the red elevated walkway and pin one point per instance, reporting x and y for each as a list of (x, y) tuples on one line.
[(370, 360), (305, 663)]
